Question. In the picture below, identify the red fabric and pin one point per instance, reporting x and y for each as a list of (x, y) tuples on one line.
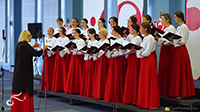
[(73, 83), (148, 88), (101, 69), (114, 83), (22, 106), (87, 78), (49, 72), (165, 63), (198, 78), (181, 80), (60, 72), (131, 80)]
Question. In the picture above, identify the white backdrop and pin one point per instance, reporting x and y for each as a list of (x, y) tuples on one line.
[(192, 12), (2, 26), (93, 10), (127, 8)]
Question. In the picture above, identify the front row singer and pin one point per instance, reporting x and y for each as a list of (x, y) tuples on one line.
[(22, 88)]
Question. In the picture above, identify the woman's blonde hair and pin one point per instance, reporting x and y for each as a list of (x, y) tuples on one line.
[(24, 36), (104, 31)]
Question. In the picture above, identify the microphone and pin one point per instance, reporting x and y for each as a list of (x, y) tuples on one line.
[(39, 34), (3, 34)]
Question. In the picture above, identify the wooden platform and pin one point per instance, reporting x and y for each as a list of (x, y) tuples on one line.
[(191, 103)]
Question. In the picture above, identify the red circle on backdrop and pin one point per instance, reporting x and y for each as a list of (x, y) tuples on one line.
[(92, 21)]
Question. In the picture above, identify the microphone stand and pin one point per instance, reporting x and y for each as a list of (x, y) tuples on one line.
[(40, 35), (2, 72)]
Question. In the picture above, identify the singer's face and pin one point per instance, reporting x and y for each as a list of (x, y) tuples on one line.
[(75, 34), (112, 22), (142, 30), (83, 24), (100, 24), (100, 34), (164, 21), (132, 31), (129, 22), (50, 32), (74, 23), (59, 23), (60, 32)]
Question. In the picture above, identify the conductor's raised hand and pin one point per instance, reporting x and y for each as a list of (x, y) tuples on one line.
[(36, 45)]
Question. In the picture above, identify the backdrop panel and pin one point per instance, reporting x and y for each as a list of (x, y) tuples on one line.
[(127, 8), (192, 15)]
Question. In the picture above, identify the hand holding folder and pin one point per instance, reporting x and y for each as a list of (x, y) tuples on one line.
[(92, 50), (56, 35)]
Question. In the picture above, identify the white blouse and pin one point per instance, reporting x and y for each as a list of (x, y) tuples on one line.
[(89, 45), (100, 43), (135, 40), (51, 43), (114, 52), (183, 31), (80, 43), (62, 42), (148, 46), (163, 41)]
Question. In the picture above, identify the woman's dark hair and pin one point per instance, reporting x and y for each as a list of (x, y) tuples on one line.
[(117, 29), (148, 17), (77, 30), (59, 19), (114, 19), (84, 19), (137, 27), (77, 22), (63, 30), (133, 19), (167, 16), (103, 21), (180, 15), (91, 31), (146, 25)]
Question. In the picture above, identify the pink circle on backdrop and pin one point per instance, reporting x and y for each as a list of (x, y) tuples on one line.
[(92, 21)]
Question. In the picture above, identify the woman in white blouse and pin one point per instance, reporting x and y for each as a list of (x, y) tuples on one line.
[(116, 70), (148, 88), (50, 59), (133, 67), (75, 25), (61, 64), (73, 83), (167, 50), (181, 80)]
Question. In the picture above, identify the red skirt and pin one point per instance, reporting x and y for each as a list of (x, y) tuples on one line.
[(181, 80), (115, 82), (87, 78), (73, 83), (131, 80), (165, 63), (148, 88), (22, 106), (60, 72), (49, 72), (100, 77)]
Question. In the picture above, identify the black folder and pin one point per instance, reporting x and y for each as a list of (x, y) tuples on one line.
[(56, 35), (70, 36), (92, 50), (172, 36), (124, 30), (104, 46), (70, 45), (115, 45), (57, 48), (131, 45), (155, 31)]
